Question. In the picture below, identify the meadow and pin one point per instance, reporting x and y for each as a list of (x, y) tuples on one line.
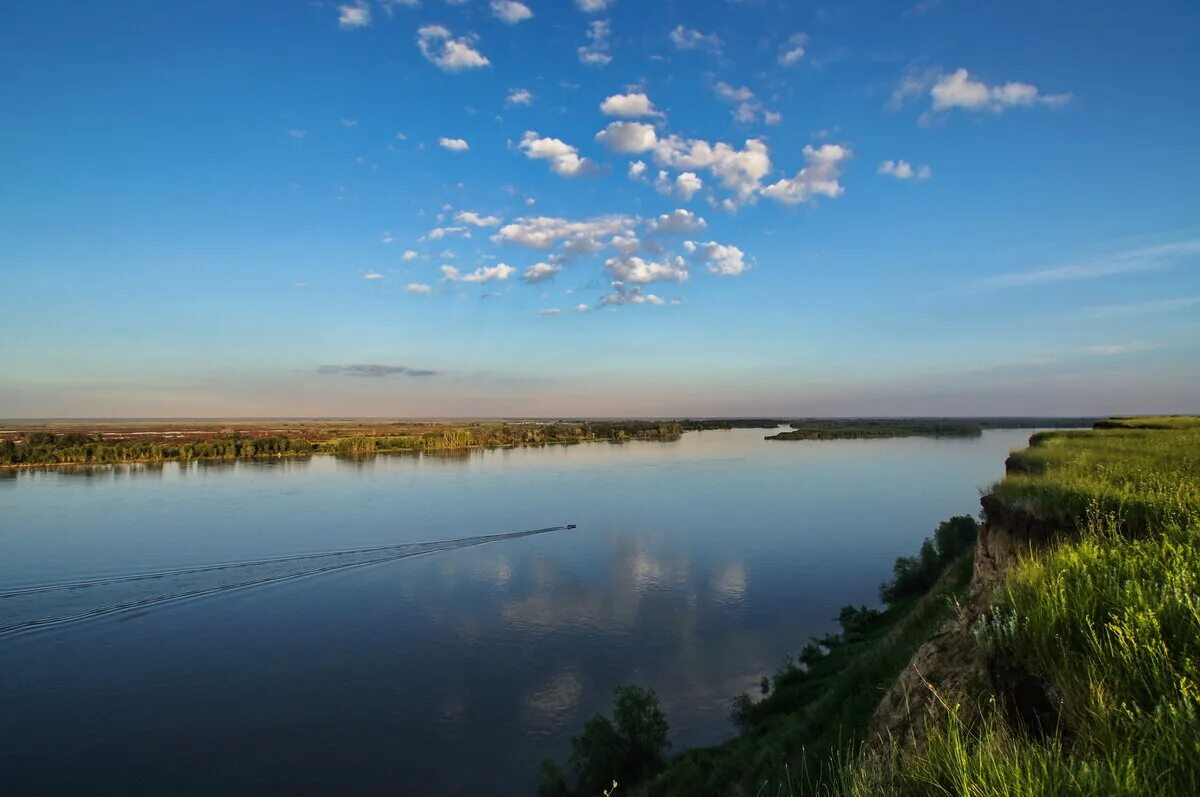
[(1106, 619)]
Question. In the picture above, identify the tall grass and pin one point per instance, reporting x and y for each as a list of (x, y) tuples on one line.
[(1107, 619)]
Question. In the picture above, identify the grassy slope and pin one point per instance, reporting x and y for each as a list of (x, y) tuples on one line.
[(1108, 619)]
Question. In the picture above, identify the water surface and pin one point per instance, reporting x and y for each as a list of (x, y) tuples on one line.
[(696, 567)]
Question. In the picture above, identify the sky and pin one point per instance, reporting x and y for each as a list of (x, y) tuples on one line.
[(435, 208)]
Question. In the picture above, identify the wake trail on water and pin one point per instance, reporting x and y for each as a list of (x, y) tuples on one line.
[(47, 605)]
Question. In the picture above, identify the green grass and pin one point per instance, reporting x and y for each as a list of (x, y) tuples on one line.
[(1108, 619)]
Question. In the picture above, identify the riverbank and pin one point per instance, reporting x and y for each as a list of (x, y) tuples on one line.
[(1059, 656)]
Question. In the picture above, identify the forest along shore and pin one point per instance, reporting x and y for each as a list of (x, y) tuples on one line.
[(112, 442), (49, 443)]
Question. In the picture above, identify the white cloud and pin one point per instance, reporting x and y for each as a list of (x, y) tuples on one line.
[(564, 159), (540, 272), (549, 311), (355, 16), (637, 170), (692, 39), (819, 177), (631, 105), (511, 11), (518, 97), (624, 294), (410, 254), (438, 233), (416, 287), (903, 170), (595, 52), (544, 232), (1150, 307), (449, 53), (1134, 261), (746, 108), (686, 185), (582, 308), (1117, 349), (500, 271), (727, 261), (631, 268), (454, 144), (297, 133), (677, 222), (628, 137), (386, 238), (594, 6), (740, 171), (959, 90), (373, 276), (475, 220), (731, 94), (792, 51), (625, 244)]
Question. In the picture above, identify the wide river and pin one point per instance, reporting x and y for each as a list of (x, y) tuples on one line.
[(696, 567)]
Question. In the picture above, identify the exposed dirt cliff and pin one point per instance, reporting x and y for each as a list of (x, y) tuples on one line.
[(950, 669)]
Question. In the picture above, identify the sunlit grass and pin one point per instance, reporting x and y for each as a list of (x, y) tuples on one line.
[(1108, 619)]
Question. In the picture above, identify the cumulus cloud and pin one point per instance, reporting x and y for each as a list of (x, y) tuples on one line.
[(582, 308), (903, 170), (544, 232), (637, 170), (792, 51), (454, 144), (746, 108), (373, 370), (447, 52), (727, 261), (625, 294), (595, 52), (819, 177), (960, 90), (438, 233), (410, 254), (691, 39), (677, 222), (476, 220), (353, 17), (740, 171), (540, 272), (687, 184), (373, 276), (416, 287), (518, 97), (500, 271), (594, 6), (634, 269), (631, 105), (628, 137), (511, 11), (564, 159)]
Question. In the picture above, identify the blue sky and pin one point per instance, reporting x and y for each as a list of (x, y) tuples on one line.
[(599, 208)]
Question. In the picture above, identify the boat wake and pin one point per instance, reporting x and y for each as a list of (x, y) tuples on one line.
[(47, 605)]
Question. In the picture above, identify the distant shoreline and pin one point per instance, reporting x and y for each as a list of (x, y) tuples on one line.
[(66, 443)]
